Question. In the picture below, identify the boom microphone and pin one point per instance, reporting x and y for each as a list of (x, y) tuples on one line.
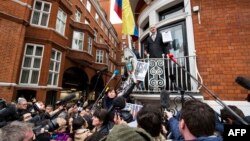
[(165, 99), (66, 99), (116, 72), (244, 82)]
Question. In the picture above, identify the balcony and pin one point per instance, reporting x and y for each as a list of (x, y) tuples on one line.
[(163, 73)]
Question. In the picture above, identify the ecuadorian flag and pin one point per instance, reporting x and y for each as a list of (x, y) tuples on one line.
[(124, 11)]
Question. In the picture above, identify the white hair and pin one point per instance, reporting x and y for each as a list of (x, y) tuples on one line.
[(21, 99)]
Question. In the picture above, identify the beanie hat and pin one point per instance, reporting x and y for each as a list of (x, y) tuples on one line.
[(123, 132)]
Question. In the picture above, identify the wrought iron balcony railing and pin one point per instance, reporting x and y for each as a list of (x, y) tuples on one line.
[(163, 73)]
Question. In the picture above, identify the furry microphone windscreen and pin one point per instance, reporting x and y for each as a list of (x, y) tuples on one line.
[(165, 99), (244, 82)]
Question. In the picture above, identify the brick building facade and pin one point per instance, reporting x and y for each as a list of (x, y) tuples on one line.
[(54, 46), (217, 33)]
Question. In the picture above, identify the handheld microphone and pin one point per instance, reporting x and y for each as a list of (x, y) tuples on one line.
[(66, 99), (171, 56), (165, 99), (244, 82)]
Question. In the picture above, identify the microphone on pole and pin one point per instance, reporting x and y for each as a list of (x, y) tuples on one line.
[(216, 98), (171, 56), (244, 82), (66, 99), (116, 72)]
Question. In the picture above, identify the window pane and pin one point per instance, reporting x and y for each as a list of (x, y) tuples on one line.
[(53, 54), (57, 66), (44, 19), (34, 77), (57, 25), (25, 76), (38, 5), (29, 50), (55, 79), (80, 45), (36, 16), (39, 51), (46, 7), (37, 62), (58, 57), (51, 65), (50, 78), (27, 62), (81, 36)]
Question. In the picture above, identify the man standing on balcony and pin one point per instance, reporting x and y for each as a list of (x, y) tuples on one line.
[(155, 46)]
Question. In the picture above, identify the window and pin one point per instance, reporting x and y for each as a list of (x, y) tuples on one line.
[(88, 5), (78, 16), (101, 40), (86, 21), (31, 66), (90, 45), (96, 17), (95, 34), (61, 21), (99, 56), (54, 67), (178, 46), (41, 13), (77, 42), (172, 11)]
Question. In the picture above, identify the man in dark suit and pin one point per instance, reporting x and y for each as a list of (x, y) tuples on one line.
[(155, 46)]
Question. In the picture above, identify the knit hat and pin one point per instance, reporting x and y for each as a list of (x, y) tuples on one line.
[(123, 132)]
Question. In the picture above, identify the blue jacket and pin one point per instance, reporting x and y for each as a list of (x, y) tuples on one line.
[(176, 134)]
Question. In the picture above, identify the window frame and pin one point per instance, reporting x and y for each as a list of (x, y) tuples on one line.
[(90, 45), (73, 39), (61, 21), (99, 56), (31, 69), (41, 13), (54, 60)]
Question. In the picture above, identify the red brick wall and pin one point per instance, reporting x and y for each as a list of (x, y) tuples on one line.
[(222, 43)]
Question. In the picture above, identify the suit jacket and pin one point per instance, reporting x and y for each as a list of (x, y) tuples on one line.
[(156, 48)]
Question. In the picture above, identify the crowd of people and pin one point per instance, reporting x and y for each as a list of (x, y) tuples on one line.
[(27, 121)]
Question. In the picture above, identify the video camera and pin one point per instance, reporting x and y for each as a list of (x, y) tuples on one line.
[(47, 125)]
